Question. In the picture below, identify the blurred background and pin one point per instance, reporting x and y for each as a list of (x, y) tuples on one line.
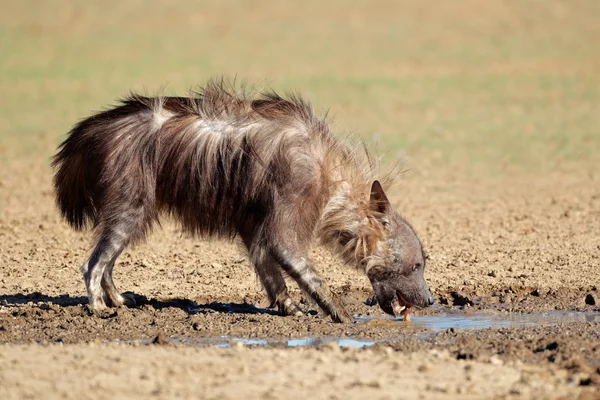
[(466, 89), (494, 106)]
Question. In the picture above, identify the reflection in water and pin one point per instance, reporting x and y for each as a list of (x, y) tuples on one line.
[(458, 320), (488, 320), (228, 341), (319, 340)]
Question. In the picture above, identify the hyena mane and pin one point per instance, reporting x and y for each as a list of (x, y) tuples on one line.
[(224, 163)]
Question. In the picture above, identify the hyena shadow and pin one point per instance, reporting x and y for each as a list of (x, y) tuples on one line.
[(191, 307), (37, 298)]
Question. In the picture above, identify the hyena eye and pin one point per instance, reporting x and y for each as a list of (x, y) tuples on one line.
[(417, 266), (385, 222)]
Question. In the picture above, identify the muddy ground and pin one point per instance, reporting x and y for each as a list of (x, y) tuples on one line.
[(525, 248)]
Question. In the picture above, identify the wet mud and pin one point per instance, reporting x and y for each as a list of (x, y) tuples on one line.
[(514, 272), (568, 339)]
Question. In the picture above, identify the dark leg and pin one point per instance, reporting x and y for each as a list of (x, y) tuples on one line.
[(274, 284), (113, 297), (97, 271), (309, 280), (272, 280), (107, 249)]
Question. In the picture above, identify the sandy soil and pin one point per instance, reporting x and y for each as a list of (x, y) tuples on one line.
[(524, 247), (100, 371)]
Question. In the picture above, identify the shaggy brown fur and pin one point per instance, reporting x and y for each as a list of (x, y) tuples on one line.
[(224, 164)]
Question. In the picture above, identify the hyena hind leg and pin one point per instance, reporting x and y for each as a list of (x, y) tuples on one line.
[(112, 296), (269, 273), (274, 283), (97, 270), (93, 269)]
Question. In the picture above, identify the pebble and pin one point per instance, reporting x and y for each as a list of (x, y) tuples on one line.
[(590, 300), (160, 339), (495, 360)]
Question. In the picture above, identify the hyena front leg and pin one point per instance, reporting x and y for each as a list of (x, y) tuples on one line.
[(309, 280)]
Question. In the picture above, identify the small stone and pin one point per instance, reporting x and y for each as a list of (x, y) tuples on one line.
[(495, 360), (373, 384), (580, 378), (333, 346), (552, 346), (238, 345), (160, 339), (589, 300)]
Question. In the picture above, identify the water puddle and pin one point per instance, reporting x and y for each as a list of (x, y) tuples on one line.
[(228, 341), (431, 324), (464, 321)]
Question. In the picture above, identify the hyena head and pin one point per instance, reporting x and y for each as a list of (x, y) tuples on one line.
[(396, 264)]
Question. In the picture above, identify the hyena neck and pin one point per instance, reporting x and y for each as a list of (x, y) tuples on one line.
[(346, 226)]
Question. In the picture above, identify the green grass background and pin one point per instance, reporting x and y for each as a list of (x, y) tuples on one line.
[(469, 88)]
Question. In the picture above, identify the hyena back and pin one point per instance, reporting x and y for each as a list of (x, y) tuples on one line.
[(226, 165)]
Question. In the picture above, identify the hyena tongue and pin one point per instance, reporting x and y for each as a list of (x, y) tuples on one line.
[(406, 313), (396, 307)]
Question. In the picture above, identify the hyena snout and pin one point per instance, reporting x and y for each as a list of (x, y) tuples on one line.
[(429, 300), (425, 299), (416, 292), (396, 292)]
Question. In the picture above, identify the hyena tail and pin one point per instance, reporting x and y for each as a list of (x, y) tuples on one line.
[(105, 170), (75, 183)]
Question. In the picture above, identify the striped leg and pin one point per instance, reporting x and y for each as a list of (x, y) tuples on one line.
[(112, 296), (106, 251), (310, 281), (269, 273), (272, 280)]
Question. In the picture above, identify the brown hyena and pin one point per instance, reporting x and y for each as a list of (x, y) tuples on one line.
[(227, 165)]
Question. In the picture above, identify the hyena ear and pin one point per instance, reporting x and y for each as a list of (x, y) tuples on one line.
[(379, 202)]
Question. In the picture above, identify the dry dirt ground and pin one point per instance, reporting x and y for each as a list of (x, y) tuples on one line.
[(526, 248), (496, 109)]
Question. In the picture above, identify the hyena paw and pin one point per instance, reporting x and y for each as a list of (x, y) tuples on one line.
[(128, 299), (117, 300), (97, 305), (288, 308), (338, 312), (341, 315), (99, 309)]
